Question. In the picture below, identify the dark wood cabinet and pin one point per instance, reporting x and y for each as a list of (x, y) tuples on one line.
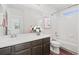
[(46, 49), (5, 51), (46, 46), (24, 52), (46, 40), (36, 47), (22, 46), (22, 49), (36, 42), (37, 50)]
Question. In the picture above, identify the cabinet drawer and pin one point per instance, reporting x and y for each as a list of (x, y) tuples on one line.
[(5, 50), (36, 42), (22, 46), (46, 39), (24, 52)]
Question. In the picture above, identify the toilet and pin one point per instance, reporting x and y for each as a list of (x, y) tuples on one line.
[(55, 47)]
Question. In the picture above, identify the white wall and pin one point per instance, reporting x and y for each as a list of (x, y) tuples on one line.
[(28, 17), (66, 28), (78, 31), (32, 17)]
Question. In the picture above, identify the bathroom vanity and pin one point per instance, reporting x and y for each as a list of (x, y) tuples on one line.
[(25, 44)]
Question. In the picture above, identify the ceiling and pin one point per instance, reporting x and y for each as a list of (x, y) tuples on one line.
[(45, 8), (57, 6), (49, 8)]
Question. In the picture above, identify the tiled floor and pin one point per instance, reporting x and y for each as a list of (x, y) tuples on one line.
[(62, 52)]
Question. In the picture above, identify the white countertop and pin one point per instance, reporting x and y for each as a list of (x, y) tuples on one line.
[(21, 38)]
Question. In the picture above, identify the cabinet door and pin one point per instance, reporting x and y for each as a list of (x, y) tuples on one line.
[(5, 51), (22, 46), (36, 42), (46, 48), (37, 50), (24, 52), (45, 40)]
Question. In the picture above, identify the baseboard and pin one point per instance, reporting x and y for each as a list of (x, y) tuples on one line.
[(64, 51), (68, 51)]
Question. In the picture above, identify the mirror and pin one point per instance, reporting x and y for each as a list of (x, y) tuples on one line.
[(1, 20), (14, 24), (11, 20), (15, 19)]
